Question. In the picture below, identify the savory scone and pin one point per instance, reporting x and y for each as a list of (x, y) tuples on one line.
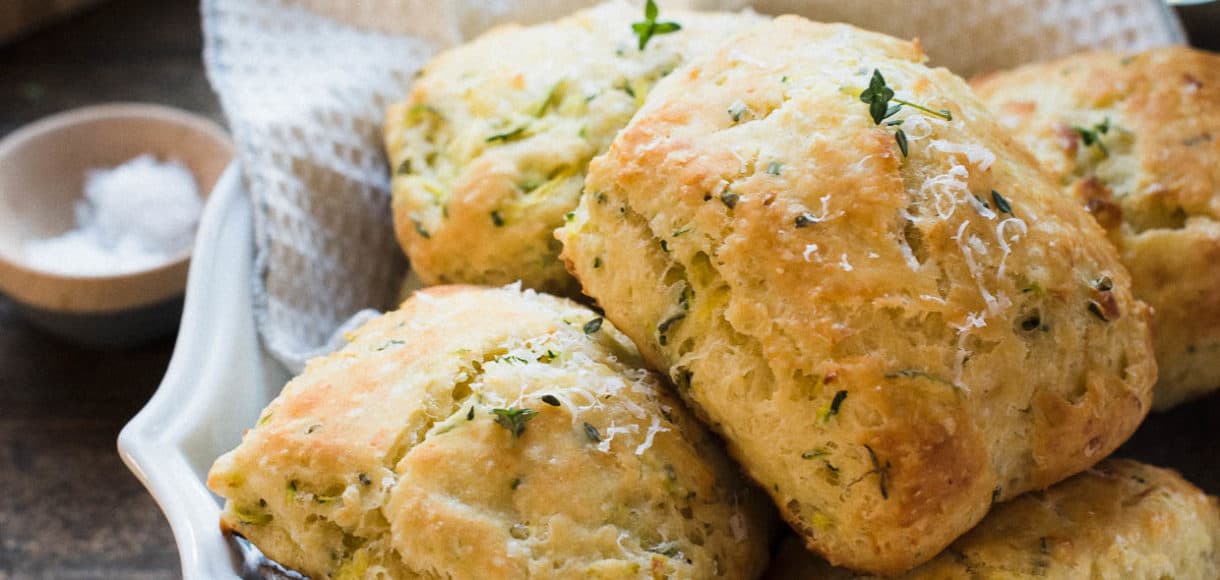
[(490, 149), (489, 433), (1121, 520), (1136, 140), (891, 316)]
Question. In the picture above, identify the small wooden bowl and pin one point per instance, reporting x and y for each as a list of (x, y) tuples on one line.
[(42, 173)]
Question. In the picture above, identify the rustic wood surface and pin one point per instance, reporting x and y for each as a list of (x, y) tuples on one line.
[(69, 509)]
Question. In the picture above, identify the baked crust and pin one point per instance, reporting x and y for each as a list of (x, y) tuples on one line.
[(1153, 182), (1121, 520), (884, 352), (386, 459), (490, 149)]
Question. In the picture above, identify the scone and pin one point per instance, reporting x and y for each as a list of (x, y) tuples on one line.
[(1136, 140), (490, 149), (1121, 520), (488, 433), (892, 330)]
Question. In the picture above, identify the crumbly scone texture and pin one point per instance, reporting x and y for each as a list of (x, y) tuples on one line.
[(1121, 520), (389, 459), (490, 149), (887, 346), (1151, 177)]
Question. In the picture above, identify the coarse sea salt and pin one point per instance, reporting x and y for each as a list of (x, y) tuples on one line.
[(136, 216)]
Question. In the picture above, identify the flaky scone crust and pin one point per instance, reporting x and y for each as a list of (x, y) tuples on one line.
[(1155, 186), (489, 150), (1121, 520), (887, 346), (386, 458)]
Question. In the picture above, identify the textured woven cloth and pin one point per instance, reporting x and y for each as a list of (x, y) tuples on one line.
[(305, 83)]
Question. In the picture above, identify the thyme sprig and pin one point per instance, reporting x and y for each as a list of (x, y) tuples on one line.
[(649, 27), (1092, 136), (878, 96), (513, 419)]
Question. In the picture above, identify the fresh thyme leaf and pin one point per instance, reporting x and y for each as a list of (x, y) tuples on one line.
[(774, 168), (404, 167), (729, 198), (515, 483), (593, 325), (814, 453), (507, 135), (548, 357), (592, 433), (510, 359), (882, 471), (1092, 136), (597, 262), (649, 27), (497, 219), (389, 343), (419, 229), (551, 400), (470, 414), (878, 96), (901, 137), (665, 246), (514, 419), (681, 231), (838, 401), (1001, 203)]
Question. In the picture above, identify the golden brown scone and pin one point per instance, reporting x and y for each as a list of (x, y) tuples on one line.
[(887, 345), (1121, 520), (489, 433), (490, 149), (1151, 177)]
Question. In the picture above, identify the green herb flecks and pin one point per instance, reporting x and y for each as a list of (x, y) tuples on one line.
[(592, 433), (507, 135), (515, 483), (597, 262), (774, 168), (649, 27), (364, 479), (832, 409), (550, 99), (551, 400), (878, 96), (737, 110), (593, 325), (667, 549), (1001, 203), (729, 199), (419, 229), (814, 453), (1091, 136), (470, 414), (497, 219), (389, 343), (510, 359), (548, 356), (882, 470), (514, 419), (404, 167)]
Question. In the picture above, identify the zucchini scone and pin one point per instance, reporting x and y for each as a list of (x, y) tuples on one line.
[(489, 433), (891, 316), (1121, 520), (490, 149), (1136, 140)]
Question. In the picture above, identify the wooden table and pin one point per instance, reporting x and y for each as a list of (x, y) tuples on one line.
[(68, 506)]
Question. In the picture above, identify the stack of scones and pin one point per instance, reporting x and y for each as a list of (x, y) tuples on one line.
[(727, 296)]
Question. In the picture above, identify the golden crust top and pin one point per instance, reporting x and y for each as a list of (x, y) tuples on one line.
[(1119, 520), (1149, 173), (490, 148), (849, 316), (488, 433)]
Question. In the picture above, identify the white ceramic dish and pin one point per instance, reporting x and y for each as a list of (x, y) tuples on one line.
[(217, 383)]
